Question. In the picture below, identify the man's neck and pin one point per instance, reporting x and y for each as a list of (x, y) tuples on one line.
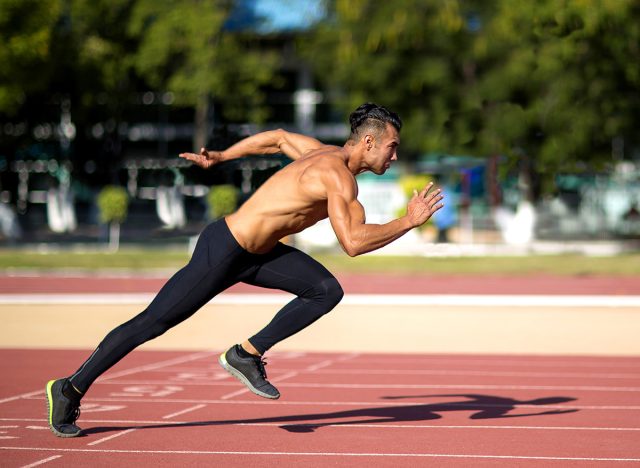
[(354, 158)]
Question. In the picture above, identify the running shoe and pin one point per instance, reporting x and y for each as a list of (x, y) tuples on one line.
[(62, 412), (250, 371)]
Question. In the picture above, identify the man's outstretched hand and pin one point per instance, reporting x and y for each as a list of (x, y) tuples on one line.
[(205, 159), (423, 204)]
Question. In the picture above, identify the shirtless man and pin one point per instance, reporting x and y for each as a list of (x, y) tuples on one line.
[(245, 247)]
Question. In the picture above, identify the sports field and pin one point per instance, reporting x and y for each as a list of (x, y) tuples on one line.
[(406, 371)]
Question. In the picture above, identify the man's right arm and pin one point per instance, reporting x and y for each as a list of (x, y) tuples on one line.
[(292, 145), (347, 215)]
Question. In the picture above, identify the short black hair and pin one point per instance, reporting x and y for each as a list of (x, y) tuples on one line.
[(372, 116)]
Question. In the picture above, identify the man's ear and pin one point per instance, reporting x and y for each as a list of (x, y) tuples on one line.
[(369, 141)]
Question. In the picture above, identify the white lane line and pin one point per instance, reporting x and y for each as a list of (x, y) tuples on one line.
[(372, 426), (207, 371), (113, 436), (357, 425), (502, 361), (23, 395), (569, 375), (473, 300), (326, 454), (480, 387), (184, 411), (6, 437), (355, 403), (42, 462), (218, 383), (419, 426)]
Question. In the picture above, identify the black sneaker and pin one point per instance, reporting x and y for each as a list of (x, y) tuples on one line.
[(62, 412), (250, 371)]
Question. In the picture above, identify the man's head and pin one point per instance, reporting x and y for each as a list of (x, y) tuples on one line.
[(378, 131), (372, 118)]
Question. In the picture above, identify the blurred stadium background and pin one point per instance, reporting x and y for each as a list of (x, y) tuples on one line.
[(528, 113)]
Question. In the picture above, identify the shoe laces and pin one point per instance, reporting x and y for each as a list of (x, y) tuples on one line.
[(261, 362), (75, 414)]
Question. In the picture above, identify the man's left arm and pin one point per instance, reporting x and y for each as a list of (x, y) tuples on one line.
[(292, 145)]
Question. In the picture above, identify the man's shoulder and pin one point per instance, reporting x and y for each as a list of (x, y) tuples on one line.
[(326, 150), (331, 162)]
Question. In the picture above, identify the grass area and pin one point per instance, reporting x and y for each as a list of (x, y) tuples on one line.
[(150, 259), (568, 265), (126, 259)]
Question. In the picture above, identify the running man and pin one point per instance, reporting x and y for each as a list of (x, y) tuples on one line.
[(245, 247)]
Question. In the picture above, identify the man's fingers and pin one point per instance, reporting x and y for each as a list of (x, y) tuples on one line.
[(194, 158), (435, 199), (189, 156), (424, 191)]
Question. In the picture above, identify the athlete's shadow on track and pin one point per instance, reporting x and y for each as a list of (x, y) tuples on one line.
[(482, 406)]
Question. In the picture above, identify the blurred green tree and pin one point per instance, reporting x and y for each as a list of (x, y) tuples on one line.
[(549, 83), (557, 82), (95, 51), (185, 48), (407, 55), (26, 36)]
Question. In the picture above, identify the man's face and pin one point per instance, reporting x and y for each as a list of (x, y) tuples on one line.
[(383, 150)]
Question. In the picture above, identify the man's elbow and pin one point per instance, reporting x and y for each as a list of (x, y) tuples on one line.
[(352, 249)]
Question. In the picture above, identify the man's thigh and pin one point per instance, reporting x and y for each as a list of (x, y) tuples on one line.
[(288, 269)]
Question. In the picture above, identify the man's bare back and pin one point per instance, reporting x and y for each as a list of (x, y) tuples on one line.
[(290, 201)]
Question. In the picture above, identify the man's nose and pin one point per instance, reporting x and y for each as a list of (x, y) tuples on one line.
[(394, 157)]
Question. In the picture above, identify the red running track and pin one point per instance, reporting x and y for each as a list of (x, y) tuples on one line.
[(170, 409), (352, 284)]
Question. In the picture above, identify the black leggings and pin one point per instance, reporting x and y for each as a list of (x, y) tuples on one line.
[(218, 262)]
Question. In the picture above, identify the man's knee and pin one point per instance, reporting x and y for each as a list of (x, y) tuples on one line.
[(331, 292)]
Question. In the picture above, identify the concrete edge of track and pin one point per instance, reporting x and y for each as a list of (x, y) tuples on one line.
[(351, 299)]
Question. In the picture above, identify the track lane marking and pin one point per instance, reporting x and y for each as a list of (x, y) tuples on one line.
[(585, 388), (347, 425), (325, 454), (353, 403), (502, 361), (23, 395), (184, 411), (42, 462), (112, 436)]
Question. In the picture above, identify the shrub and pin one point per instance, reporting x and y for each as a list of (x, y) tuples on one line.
[(113, 203), (223, 200)]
